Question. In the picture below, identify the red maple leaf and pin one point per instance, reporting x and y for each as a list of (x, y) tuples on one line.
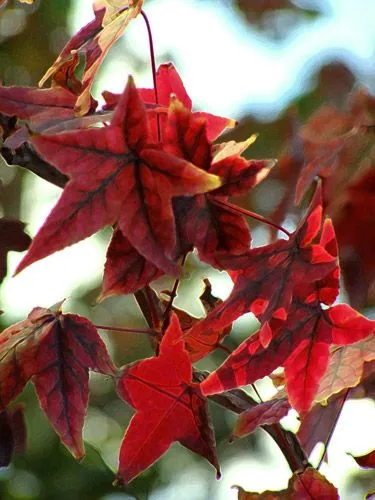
[(301, 342), (265, 277), (200, 221), (44, 109), (55, 351), (116, 175), (198, 350), (168, 82), (125, 270), (169, 407), (204, 221), (37, 106)]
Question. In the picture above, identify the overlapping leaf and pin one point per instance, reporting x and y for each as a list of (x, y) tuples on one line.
[(354, 218), (125, 270), (345, 368), (337, 146), (168, 82), (198, 350), (264, 281), (203, 220), (306, 485), (55, 351), (200, 222), (44, 109), (95, 39), (169, 407), (301, 342), (269, 412), (116, 176), (317, 424)]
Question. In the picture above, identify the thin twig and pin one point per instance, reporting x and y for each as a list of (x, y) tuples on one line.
[(146, 331), (239, 210)]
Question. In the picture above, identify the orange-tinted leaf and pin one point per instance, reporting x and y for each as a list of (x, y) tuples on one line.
[(55, 351), (231, 148), (345, 367), (125, 270), (306, 485), (169, 407), (95, 40), (12, 237), (116, 176), (270, 412), (367, 461)]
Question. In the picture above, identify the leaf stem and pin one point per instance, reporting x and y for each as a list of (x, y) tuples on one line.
[(173, 294), (257, 393), (224, 348), (146, 301), (239, 210), (153, 68), (146, 331)]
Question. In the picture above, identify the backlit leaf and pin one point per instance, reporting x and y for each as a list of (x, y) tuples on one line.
[(169, 407), (55, 351), (116, 175)]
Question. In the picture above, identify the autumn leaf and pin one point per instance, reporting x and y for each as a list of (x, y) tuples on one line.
[(169, 407), (317, 424), (116, 176), (264, 280), (269, 412), (94, 40), (301, 342), (198, 350), (199, 221), (125, 270), (345, 368), (203, 221), (306, 485), (168, 82), (366, 461), (12, 237), (55, 351), (42, 108)]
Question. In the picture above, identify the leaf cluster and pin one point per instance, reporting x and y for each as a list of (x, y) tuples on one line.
[(146, 164)]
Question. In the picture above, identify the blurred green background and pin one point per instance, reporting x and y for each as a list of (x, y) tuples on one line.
[(262, 62)]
